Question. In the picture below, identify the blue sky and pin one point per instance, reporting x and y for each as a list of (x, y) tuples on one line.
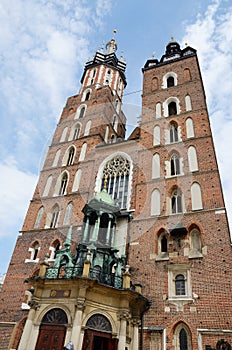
[(43, 48)]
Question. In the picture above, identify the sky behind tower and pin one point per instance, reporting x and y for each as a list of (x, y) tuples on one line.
[(44, 45)]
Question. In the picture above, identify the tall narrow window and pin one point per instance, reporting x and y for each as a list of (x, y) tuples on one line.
[(196, 196), (158, 110), (63, 185), (36, 251), (82, 112), (155, 166), (54, 217), (116, 174), (188, 103), (164, 244), (39, 217), (176, 202), (192, 159), (83, 152), (170, 82), (187, 74), (154, 84), (76, 132), (156, 140), (195, 244), (172, 109), (175, 164), (54, 249), (68, 214), (174, 137), (189, 128), (183, 339), (71, 156), (47, 186), (155, 202), (56, 159), (63, 135), (180, 284), (87, 128), (76, 182), (87, 96)]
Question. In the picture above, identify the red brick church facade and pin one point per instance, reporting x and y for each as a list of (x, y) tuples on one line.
[(169, 228)]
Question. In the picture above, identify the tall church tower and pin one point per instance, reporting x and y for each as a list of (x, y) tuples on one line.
[(125, 245), (180, 247)]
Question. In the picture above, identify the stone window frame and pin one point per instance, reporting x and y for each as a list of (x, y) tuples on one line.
[(100, 174), (32, 249), (173, 271), (176, 339), (166, 104), (165, 80)]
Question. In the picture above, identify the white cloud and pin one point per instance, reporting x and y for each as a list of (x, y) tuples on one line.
[(15, 196), (211, 35)]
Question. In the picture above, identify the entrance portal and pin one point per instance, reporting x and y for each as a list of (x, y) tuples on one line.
[(98, 336), (52, 331)]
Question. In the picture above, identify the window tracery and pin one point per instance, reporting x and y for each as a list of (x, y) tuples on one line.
[(116, 173)]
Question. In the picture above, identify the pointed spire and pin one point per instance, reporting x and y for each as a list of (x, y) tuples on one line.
[(67, 242)]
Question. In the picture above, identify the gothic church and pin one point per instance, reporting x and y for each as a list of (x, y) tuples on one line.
[(125, 245)]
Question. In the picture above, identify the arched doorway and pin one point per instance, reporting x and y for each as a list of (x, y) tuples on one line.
[(52, 330), (98, 335)]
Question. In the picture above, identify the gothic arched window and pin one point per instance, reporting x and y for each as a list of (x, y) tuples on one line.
[(39, 217), (116, 174), (35, 250), (175, 164), (63, 185), (87, 96), (176, 199), (164, 244), (82, 112), (76, 132), (54, 218), (183, 339), (68, 214), (174, 137), (71, 156)]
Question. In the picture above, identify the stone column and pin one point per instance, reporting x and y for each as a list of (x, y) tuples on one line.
[(86, 229), (108, 231), (96, 228), (27, 331), (123, 317), (76, 329), (79, 347), (135, 342)]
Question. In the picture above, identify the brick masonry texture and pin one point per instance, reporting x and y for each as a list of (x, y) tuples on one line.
[(210, 274)]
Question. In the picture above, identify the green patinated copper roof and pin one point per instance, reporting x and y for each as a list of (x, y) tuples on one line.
[(105, 197)]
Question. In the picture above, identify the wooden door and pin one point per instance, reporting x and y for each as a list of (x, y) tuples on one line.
[(51, 337), (94, 340)]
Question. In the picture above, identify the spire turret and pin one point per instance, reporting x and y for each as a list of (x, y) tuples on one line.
[(110, 61)]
